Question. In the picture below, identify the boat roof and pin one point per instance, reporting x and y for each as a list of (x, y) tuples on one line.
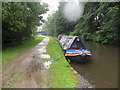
[(67, 41)]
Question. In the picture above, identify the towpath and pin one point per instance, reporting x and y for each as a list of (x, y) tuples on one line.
[(30, 64)]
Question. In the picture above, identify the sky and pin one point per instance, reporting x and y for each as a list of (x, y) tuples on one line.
[(53, 6)]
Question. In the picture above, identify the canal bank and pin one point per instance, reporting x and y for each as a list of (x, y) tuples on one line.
[(47, 68), (62, 75), (41, 68)]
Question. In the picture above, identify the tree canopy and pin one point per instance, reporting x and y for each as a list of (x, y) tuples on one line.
[(56, 24), (19, 20), (99, 22)]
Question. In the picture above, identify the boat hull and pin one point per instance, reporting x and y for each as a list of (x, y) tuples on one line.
[(78, 58)]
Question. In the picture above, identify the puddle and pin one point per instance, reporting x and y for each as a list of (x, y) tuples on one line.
[(42, 50), (47, 64), (40, 44), (45, 56)]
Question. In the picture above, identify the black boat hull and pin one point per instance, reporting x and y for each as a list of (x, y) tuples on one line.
[(78, 58)]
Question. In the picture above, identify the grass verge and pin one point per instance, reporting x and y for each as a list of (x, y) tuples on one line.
[(12, 53), (0, 62), (60, 72)]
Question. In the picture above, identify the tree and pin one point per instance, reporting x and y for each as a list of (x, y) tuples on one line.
[(19, 20), (57, 24), (99, 22)]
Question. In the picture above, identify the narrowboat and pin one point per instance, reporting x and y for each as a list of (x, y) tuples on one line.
[(74, 48)]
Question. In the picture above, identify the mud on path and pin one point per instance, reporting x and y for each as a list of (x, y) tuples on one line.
[(31, 66)]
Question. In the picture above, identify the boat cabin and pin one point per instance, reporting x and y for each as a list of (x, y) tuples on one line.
[(71, 42)]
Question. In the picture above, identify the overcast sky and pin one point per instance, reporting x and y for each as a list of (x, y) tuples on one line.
[(53, 6)]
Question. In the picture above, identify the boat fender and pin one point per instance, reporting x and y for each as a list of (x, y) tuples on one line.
[(83, 53)]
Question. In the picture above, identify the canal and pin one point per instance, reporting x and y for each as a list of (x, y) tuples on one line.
[(102, 70)]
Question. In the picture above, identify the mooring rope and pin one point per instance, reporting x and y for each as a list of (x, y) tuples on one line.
[(59, 58)]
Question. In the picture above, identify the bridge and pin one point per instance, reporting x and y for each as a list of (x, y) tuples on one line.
[(41, 32)]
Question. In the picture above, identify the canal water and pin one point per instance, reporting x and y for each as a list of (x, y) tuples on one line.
[(102, 70)]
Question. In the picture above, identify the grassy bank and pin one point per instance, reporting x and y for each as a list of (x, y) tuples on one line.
[(12, 53), (61, 75)]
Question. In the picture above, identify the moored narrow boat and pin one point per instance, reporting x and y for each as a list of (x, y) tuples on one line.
[(74, 48), (79, 55)]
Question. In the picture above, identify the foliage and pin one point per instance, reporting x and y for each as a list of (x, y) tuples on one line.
[(19, 20), (57, 24), (99, 22)]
